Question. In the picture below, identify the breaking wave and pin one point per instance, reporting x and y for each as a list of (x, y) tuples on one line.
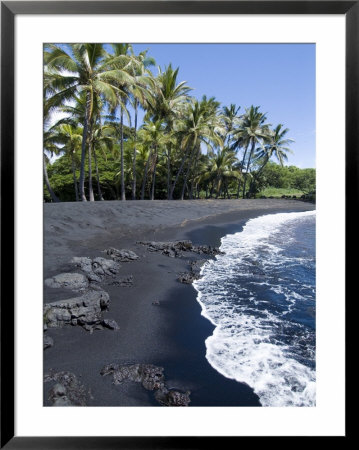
[(260, 295)]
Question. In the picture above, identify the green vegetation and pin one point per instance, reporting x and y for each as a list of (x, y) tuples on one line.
[(280, 192), (277, 181), (185, 148)]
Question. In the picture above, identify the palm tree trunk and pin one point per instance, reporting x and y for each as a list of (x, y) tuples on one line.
[(238, 188), (74, 176), (83, 147), (145, 177), (226, 193), (154, 177), (219, 189), (262, 166), (193, 175), (185, 179), (242, 165), (134, 156), (247, 168), (190, 193), (97, 176), (91, 195), (47, 182), (184, 159), (183, 189), (168, 172), (123, 195)]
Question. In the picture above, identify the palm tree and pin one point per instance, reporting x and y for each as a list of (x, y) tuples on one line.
[(51, 149), (252, 131), (104, 138), (167, 102), (75, 68), (142, 156), (127, 63), (69, 137), (76, 114), (199, 125), (276, 144), (167, 96), (140, 93), (231, 121), (222, 170), (154, 136)]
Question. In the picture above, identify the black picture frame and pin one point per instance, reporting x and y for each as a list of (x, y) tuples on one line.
[(9, 9)]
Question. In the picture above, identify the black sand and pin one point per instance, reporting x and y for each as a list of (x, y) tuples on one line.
[(172, 334)]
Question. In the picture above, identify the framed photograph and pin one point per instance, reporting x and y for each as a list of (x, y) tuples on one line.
[(175, 188)]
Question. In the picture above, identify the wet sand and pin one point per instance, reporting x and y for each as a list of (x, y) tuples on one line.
[(172, 334)]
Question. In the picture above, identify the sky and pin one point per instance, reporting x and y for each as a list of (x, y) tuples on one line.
[(280, 78)]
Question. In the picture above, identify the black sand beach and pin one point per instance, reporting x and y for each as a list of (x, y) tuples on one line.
[(159, 318)]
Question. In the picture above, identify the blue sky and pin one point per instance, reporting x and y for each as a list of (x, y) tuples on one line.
[(280, 78)]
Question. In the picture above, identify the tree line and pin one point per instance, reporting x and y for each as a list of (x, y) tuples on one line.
[(185, 147)]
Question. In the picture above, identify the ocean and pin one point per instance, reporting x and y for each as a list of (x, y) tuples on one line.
[(260, 296)]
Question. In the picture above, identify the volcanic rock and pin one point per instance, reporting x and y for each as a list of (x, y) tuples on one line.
[(121, 255), (84, 310), (193, 274), (74, 281), (175, 249), (172, 397), (123, 281), (68, 391), (96, 269), (151, 377), (111, 324)]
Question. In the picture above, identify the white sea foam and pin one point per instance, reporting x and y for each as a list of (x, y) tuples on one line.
[(251, 342)]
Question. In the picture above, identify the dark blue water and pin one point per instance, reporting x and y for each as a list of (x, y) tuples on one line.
[(260, 295)]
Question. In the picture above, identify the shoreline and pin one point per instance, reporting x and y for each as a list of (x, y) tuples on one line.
[(172, 334)]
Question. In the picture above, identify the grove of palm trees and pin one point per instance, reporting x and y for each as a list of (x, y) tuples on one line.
[(185, 148)]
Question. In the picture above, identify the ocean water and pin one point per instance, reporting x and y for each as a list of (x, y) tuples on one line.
[(260, 296)]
